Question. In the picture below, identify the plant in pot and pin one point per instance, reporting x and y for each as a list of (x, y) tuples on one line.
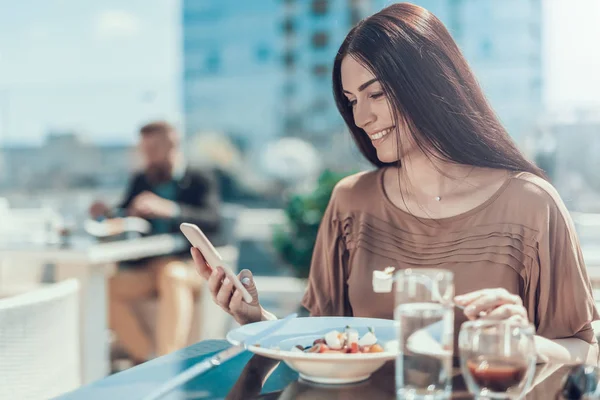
[(294, 242)]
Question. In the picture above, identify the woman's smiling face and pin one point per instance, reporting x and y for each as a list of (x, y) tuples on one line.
[(372, 111)]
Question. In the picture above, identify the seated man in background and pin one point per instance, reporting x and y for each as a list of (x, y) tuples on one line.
[(166, 193)]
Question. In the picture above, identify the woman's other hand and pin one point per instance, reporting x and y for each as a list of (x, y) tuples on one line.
[(496, 304)]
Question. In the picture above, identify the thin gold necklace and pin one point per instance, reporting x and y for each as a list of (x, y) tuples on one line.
[(439, 198)]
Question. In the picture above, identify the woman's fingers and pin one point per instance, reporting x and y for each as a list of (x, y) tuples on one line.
[(215, 280), (508, 311), (496, 304), (523, 320), (223, 297), (468, 298), (245, 312), (245, 276), (201, 265), (489, 300), (236, 304), (224, 293)]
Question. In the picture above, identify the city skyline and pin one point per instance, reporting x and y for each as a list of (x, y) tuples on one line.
[(109, 67)]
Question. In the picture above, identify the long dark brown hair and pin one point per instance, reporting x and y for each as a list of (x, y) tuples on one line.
[(430, 86)]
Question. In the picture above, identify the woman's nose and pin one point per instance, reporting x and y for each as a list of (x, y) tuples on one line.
[(363, 116)]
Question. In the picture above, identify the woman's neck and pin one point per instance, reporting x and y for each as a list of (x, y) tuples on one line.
[(429, 177), (437, 189)]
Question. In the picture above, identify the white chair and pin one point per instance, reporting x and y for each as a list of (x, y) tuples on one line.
[(39, 342), (18, 275)]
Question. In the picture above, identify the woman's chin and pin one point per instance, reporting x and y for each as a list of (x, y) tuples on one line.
[(387, 157)]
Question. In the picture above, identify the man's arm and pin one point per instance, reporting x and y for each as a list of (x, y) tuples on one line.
[(100, 210), (201, 203), (132, 190)]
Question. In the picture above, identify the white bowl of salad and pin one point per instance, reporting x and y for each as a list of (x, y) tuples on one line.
[(329, 350)]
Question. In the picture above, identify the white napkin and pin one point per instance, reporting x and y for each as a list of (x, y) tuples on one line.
[(382, 280)]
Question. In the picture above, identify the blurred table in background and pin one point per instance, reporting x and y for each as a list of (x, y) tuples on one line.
[(91, 263)]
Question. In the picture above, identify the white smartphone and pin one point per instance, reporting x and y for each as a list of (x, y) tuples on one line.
[(199, 240)]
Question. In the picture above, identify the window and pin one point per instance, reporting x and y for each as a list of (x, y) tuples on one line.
[(212, 62), (262, 54), (208, 15), (455, 18), (355, 17), (292, 124), (536, 87), (320, 105), (320, 40), (319, 7), (289, 60), (289, 89), (320, 70), (486, 48), (535, 57), (358, 9), (289, 27)]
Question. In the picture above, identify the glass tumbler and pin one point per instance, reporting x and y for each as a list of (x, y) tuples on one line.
[(424, 313), (497, 358)]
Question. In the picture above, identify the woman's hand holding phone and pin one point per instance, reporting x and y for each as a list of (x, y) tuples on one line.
[(224, 293)]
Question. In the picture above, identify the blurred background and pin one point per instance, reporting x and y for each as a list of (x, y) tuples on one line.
[(241, 78), (247, 83)]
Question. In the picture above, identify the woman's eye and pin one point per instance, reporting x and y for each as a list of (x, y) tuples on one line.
[(376, 95), (351, 103)]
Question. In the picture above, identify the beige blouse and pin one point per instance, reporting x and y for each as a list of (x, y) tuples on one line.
[(521, 239)]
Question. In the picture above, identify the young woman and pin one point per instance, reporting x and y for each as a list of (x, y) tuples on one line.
[(451, 190)]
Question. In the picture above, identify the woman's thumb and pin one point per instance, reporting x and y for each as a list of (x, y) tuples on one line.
[(247, 280)]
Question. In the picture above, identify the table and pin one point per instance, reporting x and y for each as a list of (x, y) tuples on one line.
[(249, 376), (89, 261)]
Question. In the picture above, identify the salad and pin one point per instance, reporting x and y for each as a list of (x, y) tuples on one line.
[(346, 342)]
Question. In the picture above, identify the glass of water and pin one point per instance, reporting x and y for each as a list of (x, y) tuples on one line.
[(497, 358), (424, 312)]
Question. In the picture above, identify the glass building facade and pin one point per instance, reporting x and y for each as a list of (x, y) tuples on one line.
[(262, 69), (502, 41)]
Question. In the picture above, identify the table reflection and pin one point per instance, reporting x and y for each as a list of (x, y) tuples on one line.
[(255, 374)]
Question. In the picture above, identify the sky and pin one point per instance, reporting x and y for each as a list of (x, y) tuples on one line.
[(572, 59), (104, 67), (98, 67)]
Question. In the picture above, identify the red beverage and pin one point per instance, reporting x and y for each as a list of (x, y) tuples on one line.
[(497, 375)]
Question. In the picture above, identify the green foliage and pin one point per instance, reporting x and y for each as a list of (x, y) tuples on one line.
[(295, 241)]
